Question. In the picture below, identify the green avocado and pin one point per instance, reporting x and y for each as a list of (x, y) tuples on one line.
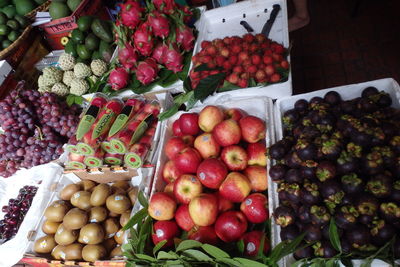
[(84, 23), (13, 35), (9, 11), (96, 55), (23, 21), (3, 18), (77, 36), (92, 42), (3, 3), (24, 7), (83, 52), (102, 30), (73, 4), (4, 30), (40, 2), (13, 24), (6, 43), (59, 10), (70, 48)]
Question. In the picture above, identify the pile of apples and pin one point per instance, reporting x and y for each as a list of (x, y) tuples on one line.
[(216, 180)]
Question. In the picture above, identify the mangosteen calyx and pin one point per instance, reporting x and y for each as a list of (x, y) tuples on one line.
[(379, 186), (289, 118), (351, 183), (331, 148), (378, 225), (390, 210), (354, 150), (333, 200), (318, 250), (325, 171), (284, 216), (367, 208), (395, 141), (374, 159), (319, 215)]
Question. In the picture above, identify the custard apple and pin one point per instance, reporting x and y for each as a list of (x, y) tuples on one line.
[(41, 81), (82, 70), (66, 61), (68, 77), (44, 89), (79, 87), (99, 67), (60, 89), (51, 75)]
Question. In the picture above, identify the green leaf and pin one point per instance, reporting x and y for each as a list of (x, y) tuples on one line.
[(214, 251), (334, 235), (366, 263), (332, 263), (240, 246), (260, 252), (252, 82), (70, 100), (186, 63), (145, 257), (247, 262), (208, 85), (135, 219), (162, 255), (197, 255), (169, 112), (191, 102), (158, 247), (285, 248), (202, 67), (169, 81), (187, 84), (188, 244), (183, 97), (79, 100), (227, 86), (127, 247), (230, 262), (143, 200), (346, 262)]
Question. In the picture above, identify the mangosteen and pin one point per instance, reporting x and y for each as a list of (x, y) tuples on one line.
[(354, 150), (319, 215), (366, 105), (390, 211), (324, 249), (284, 216), (277, 151), (301, 105), (303, 214), (287, 142), (282, 190), (325, 231), (388, 129), (293, 160), (366, 219), (348, 199), (347, 107), (326, 123), (346, 246), (384, 100), (395, 143), (277, 172), (313, 233), (395, 168), (395, 195), (378, 136), (293, 176), (307, 172), (346, 217), (382, 232), (351, 183), (310, 132), (325, 170), (297, 131), (366, 204), (380, 185), (290, 232), (387, 155), (358, 236), (369, 91), (316, 100), (332, 193), (331, 149), (333, 98), (361, 138), (303, 252), (305, 150), (346, 163), (373, 163), (293, 193), (310, 194), (290, 117)]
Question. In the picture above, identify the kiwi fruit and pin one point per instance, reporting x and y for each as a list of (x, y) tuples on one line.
[(111, 226), (68, 191), (113, 214), (118, 190), (64, 236), (87, 185), (73, 252), (118, 203), (81, 199), (50, 227), (44, 244), (100, 194), (91, 234), (109, 244), (97, 214), (93, 252), (75, 219), (132, 194), (58, 252), (56, 211), (125, 218), (116, 252), (119, 236), (123, 184)]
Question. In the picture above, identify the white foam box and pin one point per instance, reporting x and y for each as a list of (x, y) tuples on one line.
[(225, 21), (347, 92)]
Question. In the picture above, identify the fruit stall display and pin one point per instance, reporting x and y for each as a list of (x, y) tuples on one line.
[(12, 25), (336, 173)]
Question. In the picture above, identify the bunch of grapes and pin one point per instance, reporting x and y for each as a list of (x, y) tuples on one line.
[(15, 212), (35, 128)]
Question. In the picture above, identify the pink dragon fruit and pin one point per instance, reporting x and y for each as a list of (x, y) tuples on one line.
[(165, 6), (185, 37), (159, 52), (173, 59), (188, 14), (118, 78), (159, 23), (143, 40), (127, 56), (130, 13), (146, 71)]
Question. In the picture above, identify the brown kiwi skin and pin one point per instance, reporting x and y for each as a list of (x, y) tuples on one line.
[(75, 219), (56, 211), (69, 190), (58, 252), (116, 252), (109, 244), (73, 252), (123, 184), (64, 236), (49, 227), (91, 234), (44, 247), (118, 203), (125, 218), (98, 214), (93, 252), (119, 236), (111, 226), (87, 185), (132, 194), (100, 194), (81, 199)]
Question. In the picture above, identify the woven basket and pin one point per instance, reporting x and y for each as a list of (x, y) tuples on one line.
[(9, 50), (42, 8)]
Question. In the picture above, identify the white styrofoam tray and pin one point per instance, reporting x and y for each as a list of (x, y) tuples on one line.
[(347, 92), (225, 21)]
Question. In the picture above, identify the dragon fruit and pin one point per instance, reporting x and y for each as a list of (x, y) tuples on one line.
[(146, 71), (159, 53), (118, 78), (173, 59), (143, 40), (185, 37), (159, 23), (165, 6), (127, 56), (187, 14), (131, 12)]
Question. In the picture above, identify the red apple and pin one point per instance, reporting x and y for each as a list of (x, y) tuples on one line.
[(182, 218), (209, 117), (223, 203), (212, 173), (207, 145), (165, 230), (204, 234), (235, 157), (170, 172), (235, 187), (162, 206), (230, 226), (188, 122), (253, 129), (203, 209), (234, 114), (227, 133), (174, 146), (188, 160), (257, 176), (169, 189), (186, 187), (252, 242), (257, 153), (176, 129), (188, 139), (255, 207)]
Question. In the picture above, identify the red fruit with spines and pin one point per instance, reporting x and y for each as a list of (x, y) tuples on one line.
[(182, 218), (159, 53), (255, 59), (204, 234), (245, 46), (194, 74), (205, 44), (268, 52), (173, 146), (212, 173), (143, 40), (253, 129), (170, 172), (146, 71), (127, 56), (233, 78), (277, 57), (185, 37), (269, 70), (246, 64), (218, 43), (206, 59), (245, 76), (188, 14), (277, 48), (236, 40), (233, 59), (252, 243), (254, 47), (243, 83), (227, 40), (230, 226), (260, 76), (224, 52), (165, 6), (261, 38), (255, 208), (248, 37), (165, 230), (173, 60), (267, 59), (236, 49), (227, 65), (264, 46), (118, 78), (275, 78), (211, 65), (285, 64), (130, 13), (242, 56), (238, 69), (159, 24), (188, 160), (211, 50), (252, 69), (262, 66)]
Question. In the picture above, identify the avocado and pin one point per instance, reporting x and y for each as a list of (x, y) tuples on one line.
[(6, 43), (9, 11), (24, 7), (92, 42), (96, 55), (70, 48), (13, 35), (77, 36), (83, 52), (106, 51), (3, 3), (40, 2), (22, 20), (73, 4), (13, 24), (4, 30), (84, 23), (81, 60), (3, 18), (102, 30), (59, 10)]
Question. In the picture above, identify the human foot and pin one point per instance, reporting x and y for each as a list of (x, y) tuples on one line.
[(297, 22)]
